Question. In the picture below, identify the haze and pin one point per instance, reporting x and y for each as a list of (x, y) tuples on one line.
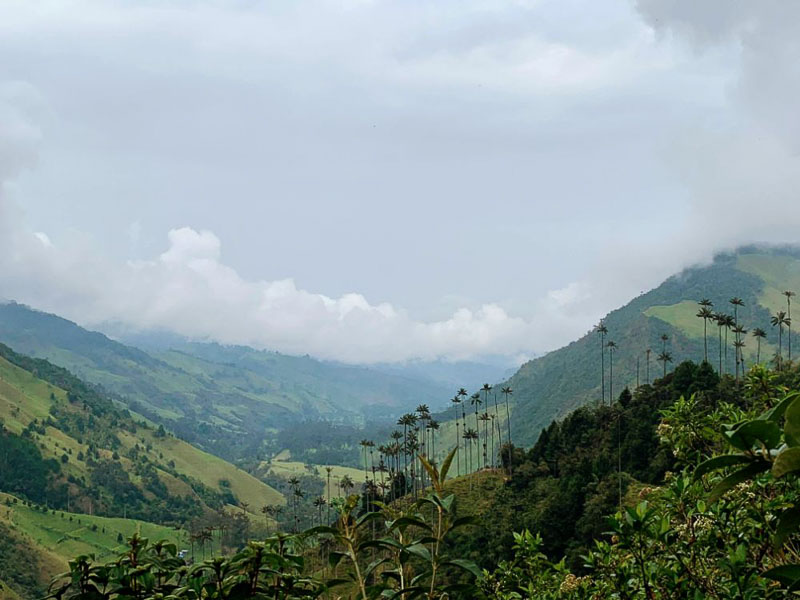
[(382, 181)]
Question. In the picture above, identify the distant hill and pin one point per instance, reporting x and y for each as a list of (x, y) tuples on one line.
[(66, 445), (225, 399), (553, 385)]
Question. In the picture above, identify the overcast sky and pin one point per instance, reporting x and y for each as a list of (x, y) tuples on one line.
[(382, 180)]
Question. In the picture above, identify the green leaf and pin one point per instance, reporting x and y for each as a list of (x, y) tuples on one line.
[(736, 478), (792, 426), (776, 412), (720, 462), (465, 565), (788, 523), (786, 574), (419, 551), (321, 529), (409, 521), (753, 433), (335, 558), (446, 464), (787, 461)]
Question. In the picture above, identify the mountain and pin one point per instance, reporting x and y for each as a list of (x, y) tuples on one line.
[(66, 445), (551, 386), (225, 399)]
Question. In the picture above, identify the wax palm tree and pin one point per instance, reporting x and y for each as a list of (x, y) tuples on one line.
[(602, 330), (738, 344), (727, 322), (485, 419), (433, 425), (456, 400), (364, 445), (759, 334), (736, 302), (720, 320), (319, 502), (486, 389), (475, 400), (462, 393), (706, 314), (468, 448), (266, 510), (780, 319), (496, 411), (347, 484), (507, 391), (494, 419), (789, 295), (612, 346), (665, 357)]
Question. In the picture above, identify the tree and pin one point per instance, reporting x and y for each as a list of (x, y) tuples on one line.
[(789, 295), (665, 357), (727, 322), (706, 314), (648, 352), (456, 400), (507, 391), (475, 400), (612, 346), (329, 470), (739, 331), (462, 393), (485, 419), (602, 330), (759, 334), (779, 319)]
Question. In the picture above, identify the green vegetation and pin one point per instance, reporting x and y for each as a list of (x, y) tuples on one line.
[(552, 386), (222, 399), (65, 444)]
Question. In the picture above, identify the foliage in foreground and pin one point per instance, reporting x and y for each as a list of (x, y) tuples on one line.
[(723, 525)]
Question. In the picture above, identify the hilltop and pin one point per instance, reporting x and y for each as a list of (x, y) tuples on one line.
[(553, 385)]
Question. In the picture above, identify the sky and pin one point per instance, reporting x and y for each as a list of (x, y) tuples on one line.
[(375, 180)]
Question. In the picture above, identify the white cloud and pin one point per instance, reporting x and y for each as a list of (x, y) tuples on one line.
[(189, 290)]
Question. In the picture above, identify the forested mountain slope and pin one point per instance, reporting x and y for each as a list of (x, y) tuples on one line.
[(65, 445), (223, 399), (553, 385)]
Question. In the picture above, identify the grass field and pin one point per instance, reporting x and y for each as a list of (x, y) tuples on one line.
[(24, 397), (778, 272), (283, 465), (66, 535)]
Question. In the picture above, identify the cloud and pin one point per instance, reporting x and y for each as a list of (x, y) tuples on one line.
[(189, 290)]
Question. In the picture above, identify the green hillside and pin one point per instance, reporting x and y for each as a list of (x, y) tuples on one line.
[(39, 542), (65, 444), (553, 385), (223, 399)]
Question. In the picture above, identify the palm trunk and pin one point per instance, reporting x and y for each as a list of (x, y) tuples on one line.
[(705, 336), (602, 369), (508, 423), (720, 350)]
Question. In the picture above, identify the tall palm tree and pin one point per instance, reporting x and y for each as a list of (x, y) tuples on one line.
[(485, 419), (720, 320), (736, 302), (648, 352), (364, 445), (706, 314), (492, 461), (433, 425), (665, 357), (456, 400), (319, 502), (486, 389), (462, 393), (496, 411), (780, 319), (468, 449), (612, 346), (759, 334), (507, 391), (728, 323), (738, 344), (789, 295), (475, 400), (602, 330)]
